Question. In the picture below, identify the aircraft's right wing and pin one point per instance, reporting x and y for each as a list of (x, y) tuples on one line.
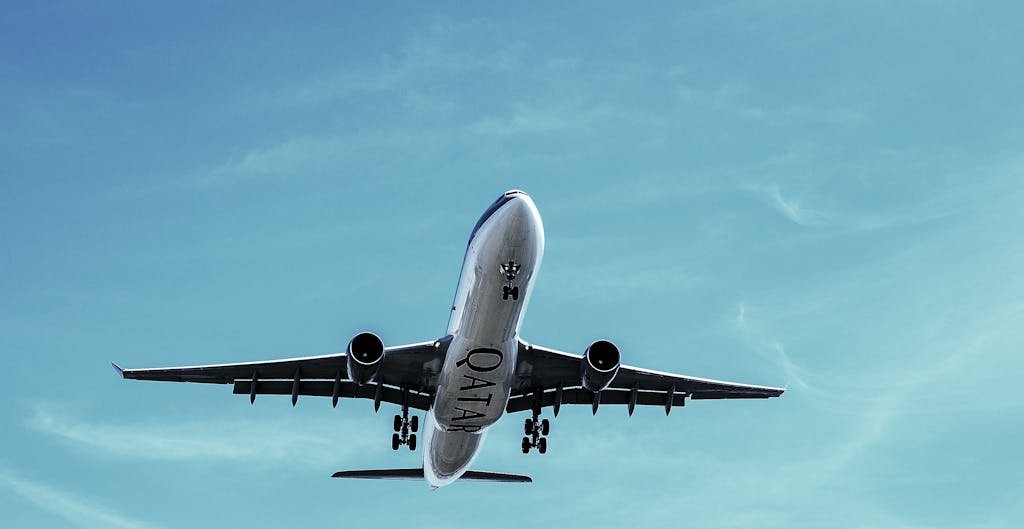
[(546, 377), (408, 374)]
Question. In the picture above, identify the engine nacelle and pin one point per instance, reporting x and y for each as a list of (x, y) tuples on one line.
[(600, 365), (365, 355)]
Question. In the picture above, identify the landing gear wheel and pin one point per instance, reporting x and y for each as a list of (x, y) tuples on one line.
[(504, 292), (412, 442), (398, 423), (395, 442), (542, 445), (545, 427), (515, 293), (526, 445), (414, 423), (528, 427)]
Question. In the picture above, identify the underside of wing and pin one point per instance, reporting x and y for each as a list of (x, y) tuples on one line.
[(407, 375), (323, 367), (546, 377)]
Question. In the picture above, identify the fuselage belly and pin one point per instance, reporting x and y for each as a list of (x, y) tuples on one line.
[(479, 368)]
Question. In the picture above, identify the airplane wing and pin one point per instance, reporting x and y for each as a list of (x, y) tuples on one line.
[(408, 374), (546, 377)]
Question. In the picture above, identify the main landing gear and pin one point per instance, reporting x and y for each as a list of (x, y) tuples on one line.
[(536, 432), (405, 430), (509, 270)]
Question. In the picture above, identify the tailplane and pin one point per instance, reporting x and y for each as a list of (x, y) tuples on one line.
[(417, 474)]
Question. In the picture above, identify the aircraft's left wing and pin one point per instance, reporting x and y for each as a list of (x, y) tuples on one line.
[(408, 374), (546, 377)]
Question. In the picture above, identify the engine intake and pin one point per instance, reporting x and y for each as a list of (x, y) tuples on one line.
[(365, 355), (600, 365)]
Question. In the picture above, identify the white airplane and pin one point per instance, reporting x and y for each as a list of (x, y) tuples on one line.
[(477, 372)]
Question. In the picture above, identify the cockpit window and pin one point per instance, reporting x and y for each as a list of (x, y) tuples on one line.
[(487, 214)]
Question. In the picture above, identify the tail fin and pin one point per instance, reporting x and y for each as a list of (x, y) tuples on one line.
[(417, 474)]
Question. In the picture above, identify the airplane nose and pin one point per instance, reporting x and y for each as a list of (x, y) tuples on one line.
[(523, 220), (521, 205)]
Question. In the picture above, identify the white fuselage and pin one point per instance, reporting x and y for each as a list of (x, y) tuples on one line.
[(476, 379)]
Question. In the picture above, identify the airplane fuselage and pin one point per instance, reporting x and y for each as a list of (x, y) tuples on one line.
[(476, 379)]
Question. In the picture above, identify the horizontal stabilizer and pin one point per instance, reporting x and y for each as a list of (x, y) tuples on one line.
[(391, 473), (473, 475), (417, 474)]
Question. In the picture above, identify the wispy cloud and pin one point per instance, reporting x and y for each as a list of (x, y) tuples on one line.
[(772, 349), (789, 207), (921, 352), (578, 283), (737, 100), (794, 373), (431, 54), (290, 441), (79, 511)]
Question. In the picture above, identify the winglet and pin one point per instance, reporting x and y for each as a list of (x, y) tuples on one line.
[(117, 368)]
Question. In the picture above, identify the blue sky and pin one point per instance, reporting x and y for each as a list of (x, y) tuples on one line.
[(824, 196)]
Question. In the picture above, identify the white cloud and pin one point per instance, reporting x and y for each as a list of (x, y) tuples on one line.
[(527, 120), (578, 282), (734, 99), (82, 512), (794, 373), (789, 207), (432, 54), (291, 441)]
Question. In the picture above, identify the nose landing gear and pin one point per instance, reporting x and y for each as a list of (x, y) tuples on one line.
[(509, 270), (536, 431)]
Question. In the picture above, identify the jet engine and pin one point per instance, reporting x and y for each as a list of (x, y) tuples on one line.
[(365, 355), (600, 365)]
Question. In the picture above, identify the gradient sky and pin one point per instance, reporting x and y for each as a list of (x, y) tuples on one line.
[(827, 197)]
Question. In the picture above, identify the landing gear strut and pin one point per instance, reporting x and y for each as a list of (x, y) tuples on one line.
[(509, 270), (536, 431), (405, 429)]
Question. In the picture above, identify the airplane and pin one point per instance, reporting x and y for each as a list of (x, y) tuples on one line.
[(478, 371)]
